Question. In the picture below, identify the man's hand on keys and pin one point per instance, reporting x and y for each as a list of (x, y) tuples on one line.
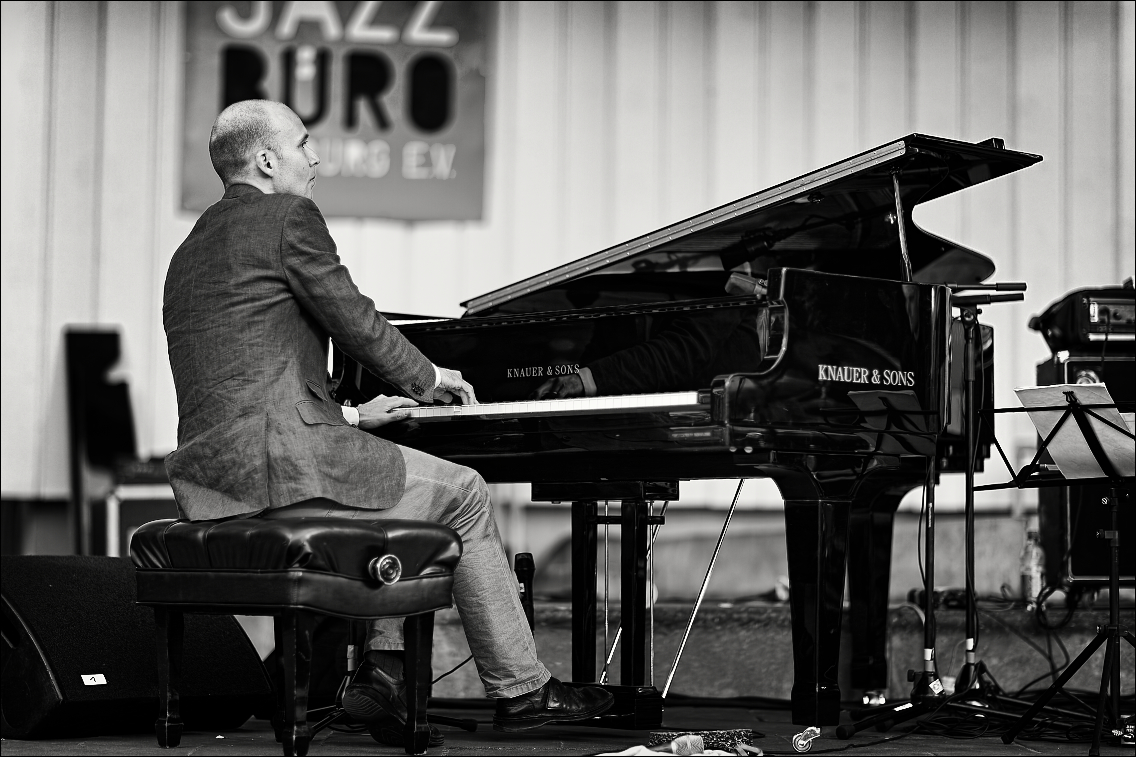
[(383, 410), (451, 383)]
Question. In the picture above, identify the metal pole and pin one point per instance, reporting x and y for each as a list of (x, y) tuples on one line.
[(929, 677), (966, 677)]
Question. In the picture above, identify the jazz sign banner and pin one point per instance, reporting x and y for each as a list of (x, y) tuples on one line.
[(393, 94)]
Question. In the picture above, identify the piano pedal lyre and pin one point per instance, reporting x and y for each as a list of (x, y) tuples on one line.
[(652, 594), (638, 704)]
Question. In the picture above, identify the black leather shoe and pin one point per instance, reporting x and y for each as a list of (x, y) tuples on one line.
[(552, 703), (379, 701)]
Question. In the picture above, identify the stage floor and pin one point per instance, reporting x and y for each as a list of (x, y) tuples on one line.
[(255, 738)]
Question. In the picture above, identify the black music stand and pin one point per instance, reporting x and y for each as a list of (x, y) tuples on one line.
[(1118, 479)]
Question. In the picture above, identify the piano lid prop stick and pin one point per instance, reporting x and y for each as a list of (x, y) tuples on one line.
[(705, 585), (902, 227)]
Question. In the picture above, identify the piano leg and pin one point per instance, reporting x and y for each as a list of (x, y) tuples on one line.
[(584, 591), (816, 531), (869, 577)]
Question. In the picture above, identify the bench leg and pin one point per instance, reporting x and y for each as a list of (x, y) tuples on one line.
[(296, 636), (278, 698), (168, 645), (418, 637)]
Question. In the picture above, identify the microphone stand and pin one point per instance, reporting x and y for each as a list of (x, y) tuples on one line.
[(969, 311)]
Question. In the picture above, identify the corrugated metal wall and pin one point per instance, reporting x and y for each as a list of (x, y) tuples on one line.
[(606, 120)]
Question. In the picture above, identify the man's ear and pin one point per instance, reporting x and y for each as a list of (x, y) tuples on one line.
[(265, 161)]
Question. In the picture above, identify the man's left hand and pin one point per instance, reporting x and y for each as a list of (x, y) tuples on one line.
[(383, 410)]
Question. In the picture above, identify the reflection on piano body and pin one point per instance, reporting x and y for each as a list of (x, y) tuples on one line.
[(833, 376)]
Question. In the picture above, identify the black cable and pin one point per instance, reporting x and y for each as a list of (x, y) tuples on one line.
[(451, 670), (1018, 633), (974, 723), (1041, 615)]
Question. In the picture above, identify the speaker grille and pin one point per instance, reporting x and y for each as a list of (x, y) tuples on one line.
[(81, 613)]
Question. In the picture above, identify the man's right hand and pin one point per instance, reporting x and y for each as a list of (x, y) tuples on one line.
[(451, 383)]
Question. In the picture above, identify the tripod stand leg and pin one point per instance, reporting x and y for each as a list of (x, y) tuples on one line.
[(1031, 713), (1102, 699)]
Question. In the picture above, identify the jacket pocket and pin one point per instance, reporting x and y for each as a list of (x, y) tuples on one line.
[(317, 390), (314, 413)]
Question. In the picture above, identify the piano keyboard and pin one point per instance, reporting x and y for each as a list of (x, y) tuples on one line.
[(664, 402)]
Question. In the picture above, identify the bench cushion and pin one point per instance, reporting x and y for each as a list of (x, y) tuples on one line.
[(256, 566)]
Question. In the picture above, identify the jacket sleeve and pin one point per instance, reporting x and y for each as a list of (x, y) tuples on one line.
[(323, 287)]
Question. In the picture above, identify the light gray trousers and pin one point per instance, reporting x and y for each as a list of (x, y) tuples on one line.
[(485, 588)]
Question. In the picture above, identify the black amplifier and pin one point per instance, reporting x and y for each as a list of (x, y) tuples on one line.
[(1088, 318), (1069, 517)]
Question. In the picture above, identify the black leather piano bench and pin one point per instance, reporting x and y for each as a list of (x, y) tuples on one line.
[(294, 569)]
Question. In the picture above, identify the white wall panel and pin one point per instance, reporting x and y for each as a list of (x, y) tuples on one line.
[(835, 90), (26, 44), (589, 218), (735, 131), (71, 259), (788, 77), (605, 120), (636, 135), (686, 145), (883, 71)]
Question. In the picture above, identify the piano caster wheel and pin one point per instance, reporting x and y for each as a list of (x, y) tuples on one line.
[(803, 741)]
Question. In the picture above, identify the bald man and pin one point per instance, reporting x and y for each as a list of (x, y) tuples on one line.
[(251, 298)]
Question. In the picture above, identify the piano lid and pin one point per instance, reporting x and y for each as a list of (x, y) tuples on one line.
[(838, 219)]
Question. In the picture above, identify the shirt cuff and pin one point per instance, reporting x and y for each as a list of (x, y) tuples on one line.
[(437, 380), (588, 381), (351, 415)]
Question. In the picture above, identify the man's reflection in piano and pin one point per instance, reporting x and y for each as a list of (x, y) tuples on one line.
[(687, 353)]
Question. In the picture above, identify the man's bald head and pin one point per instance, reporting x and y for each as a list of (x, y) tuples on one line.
[(239, 132)]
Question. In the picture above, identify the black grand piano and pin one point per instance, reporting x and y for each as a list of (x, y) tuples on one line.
[(803, 333)]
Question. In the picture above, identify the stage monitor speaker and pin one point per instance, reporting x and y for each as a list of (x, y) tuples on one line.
[(1069, 517), (79, 655)]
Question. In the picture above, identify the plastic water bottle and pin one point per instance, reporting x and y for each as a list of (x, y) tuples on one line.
[(1032, 564)]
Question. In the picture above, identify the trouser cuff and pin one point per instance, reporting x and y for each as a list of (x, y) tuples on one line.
[(520, 688)]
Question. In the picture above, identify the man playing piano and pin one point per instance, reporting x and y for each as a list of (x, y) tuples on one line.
[(251, 297)]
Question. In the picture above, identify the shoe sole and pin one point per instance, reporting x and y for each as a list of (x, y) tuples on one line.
[(365, 707), (372, 710), (536, 721)]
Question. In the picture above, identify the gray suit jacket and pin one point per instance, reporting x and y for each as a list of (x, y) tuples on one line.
[(251, 297)]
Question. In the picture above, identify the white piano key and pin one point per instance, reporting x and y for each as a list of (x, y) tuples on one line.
[(662, 402)]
